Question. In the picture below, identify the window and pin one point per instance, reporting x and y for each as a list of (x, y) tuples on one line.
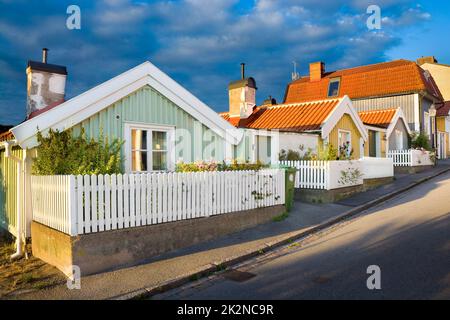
[(345, 143), (333, 87), (149, 148)]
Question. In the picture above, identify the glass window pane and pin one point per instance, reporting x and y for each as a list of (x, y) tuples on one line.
[(139, 161), (159, 140), (333, 89), (138, 139), (159, 161)]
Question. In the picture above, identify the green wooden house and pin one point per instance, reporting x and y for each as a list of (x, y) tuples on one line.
[(159, 120)]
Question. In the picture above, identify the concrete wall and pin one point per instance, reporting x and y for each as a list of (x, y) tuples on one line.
[(293, 141), (104, 251)]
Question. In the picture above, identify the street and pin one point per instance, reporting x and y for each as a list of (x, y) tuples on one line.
[(408, 237)]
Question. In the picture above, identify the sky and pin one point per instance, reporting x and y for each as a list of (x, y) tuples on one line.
[(201, 43)]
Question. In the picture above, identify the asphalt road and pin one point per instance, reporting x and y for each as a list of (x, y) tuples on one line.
[(407, 237)]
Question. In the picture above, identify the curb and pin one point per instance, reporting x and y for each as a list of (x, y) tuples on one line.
[(229, 262)]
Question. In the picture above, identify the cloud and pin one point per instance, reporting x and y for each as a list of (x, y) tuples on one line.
[(199, 43)]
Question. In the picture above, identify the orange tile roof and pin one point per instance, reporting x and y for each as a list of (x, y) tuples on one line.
[(6, 136), (308, 116), (378, 118), (443, 110), (382, 79)]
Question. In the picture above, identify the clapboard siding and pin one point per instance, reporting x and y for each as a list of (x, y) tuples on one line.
[(150, 107), (406, 102), (8, 190)]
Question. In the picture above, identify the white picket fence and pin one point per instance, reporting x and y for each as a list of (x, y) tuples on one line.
[(401, 158), (310, 174), (94, 203)]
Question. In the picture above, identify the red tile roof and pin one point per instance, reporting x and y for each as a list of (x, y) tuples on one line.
[(378, 118), (444, 110), (298, 117), (382, 79)]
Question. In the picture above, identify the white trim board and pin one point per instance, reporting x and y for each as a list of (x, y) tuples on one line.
[(83, 106)]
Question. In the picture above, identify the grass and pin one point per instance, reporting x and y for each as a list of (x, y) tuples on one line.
[(281, 217), (23, 274)]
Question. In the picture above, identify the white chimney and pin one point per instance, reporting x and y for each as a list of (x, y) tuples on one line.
[(46, 84)]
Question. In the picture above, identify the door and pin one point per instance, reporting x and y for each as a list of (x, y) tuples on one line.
[(263, 149), (372, 143)]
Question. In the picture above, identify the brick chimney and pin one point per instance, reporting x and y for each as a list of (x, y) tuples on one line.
[(242, 95), (316, 71), (46, 84), (424, 60)]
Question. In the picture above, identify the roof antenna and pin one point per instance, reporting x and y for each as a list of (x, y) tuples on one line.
[(295, 75)]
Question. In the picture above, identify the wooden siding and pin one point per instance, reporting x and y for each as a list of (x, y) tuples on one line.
[(392, 139), (406, 102), (8, 190), (148, 106), (346, 123)]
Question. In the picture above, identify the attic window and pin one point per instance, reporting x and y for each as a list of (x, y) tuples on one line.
[(333, 87)]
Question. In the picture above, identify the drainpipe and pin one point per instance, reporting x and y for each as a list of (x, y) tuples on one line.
[(18, 161)]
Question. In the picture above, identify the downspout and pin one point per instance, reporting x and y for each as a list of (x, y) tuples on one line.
[(18, 161)]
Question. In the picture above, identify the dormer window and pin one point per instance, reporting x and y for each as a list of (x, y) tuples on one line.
[(333, 87)]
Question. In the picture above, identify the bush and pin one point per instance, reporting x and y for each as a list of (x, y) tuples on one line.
[(292, 155), (203, 166), (61, 153), (420, 141), (326, 153)]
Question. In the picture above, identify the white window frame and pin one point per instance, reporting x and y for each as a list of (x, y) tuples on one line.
[(350, 139), (170, 131), (334, 80)]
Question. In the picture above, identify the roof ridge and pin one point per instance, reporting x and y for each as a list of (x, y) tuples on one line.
[(407, 62)]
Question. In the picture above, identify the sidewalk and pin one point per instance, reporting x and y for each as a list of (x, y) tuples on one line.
[(183, 264)]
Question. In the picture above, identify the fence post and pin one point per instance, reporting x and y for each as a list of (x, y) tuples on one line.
[(73, 206)]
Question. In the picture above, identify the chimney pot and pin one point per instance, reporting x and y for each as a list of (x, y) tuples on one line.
[(44, 55), (242, 71)]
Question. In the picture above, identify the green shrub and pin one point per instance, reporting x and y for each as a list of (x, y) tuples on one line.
[(326, 153), (203, 166), (420, 141), (61, 153)]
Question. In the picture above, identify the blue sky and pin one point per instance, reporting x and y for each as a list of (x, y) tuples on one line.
[(200, 43)]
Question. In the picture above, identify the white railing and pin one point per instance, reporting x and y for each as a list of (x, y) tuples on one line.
[(411, 158), (53, 201), (94, 203), (326, 175), (401, 158), (310, 174)]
